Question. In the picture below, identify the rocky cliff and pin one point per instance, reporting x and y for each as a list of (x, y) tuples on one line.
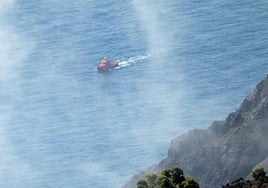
[(227, 150)]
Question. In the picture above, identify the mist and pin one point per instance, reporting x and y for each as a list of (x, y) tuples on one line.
[(158, 21), (63, 124), (14, 171)]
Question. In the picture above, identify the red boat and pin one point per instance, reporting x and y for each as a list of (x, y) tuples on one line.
[(106, 65)]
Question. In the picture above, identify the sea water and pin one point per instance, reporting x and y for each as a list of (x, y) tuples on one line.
[(182, 65)]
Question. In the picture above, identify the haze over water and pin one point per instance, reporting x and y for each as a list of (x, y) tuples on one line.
[(183, 64)]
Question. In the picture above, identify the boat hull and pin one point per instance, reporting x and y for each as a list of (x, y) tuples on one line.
[(105, 67)]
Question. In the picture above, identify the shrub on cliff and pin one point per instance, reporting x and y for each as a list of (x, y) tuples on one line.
[(142, 184), (190, 183), (259, 180), (174, 174), (169, 178), (258, 173)]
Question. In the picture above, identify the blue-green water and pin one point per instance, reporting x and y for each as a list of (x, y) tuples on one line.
[(183, 64)]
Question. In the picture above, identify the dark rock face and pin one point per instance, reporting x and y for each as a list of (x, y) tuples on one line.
[(227, 150), (254, 107), (241, 183)]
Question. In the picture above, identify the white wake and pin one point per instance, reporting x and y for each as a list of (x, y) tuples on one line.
[(138, 59), (132, 60)]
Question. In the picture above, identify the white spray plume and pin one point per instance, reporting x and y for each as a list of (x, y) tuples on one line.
[(156, 18), (149, 15), (14, 171), (6, 4)]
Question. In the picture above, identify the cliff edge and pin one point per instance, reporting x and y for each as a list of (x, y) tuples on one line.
[(227, 150)]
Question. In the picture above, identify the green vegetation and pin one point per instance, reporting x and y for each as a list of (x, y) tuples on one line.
[(174, 178), (258, 173), (189, 183), (169, 178), (142, 184), (259, 179)]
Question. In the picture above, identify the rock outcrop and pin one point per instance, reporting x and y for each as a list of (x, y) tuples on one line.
[(241, 183), (227, 150)]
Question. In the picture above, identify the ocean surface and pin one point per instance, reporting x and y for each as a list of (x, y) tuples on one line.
[(183, 64)]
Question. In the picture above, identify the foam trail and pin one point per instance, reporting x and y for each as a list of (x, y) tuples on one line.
[(137, 59), (132, 60)]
